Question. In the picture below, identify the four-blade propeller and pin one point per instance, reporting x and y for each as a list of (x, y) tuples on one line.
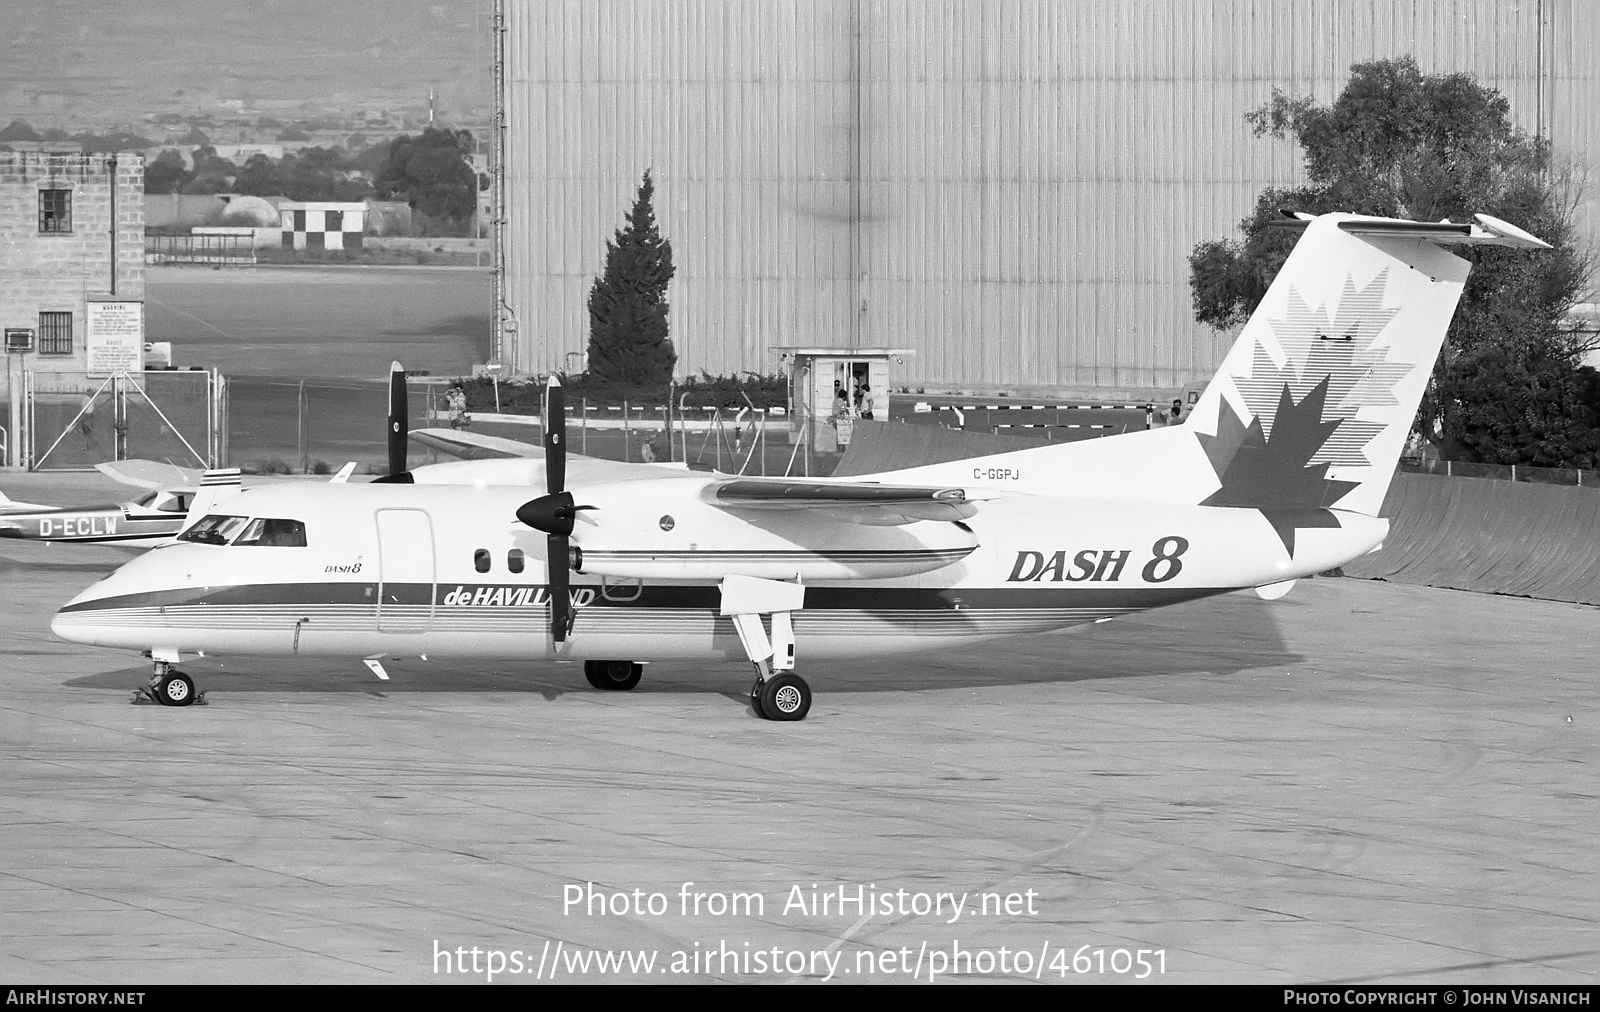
[(554, 512)]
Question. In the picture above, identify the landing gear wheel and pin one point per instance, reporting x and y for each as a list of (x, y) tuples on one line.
[(784, 697), (613, 675), (174, 689)]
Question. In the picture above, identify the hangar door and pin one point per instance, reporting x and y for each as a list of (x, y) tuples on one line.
[(405, 571)]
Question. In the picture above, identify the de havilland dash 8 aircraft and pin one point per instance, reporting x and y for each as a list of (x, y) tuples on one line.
[(1279, 473)]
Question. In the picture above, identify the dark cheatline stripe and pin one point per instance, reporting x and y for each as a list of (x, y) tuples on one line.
[(873, 599)]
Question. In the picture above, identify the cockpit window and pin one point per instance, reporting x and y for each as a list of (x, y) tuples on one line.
[(214, 529), (274, 533), (166, 502)]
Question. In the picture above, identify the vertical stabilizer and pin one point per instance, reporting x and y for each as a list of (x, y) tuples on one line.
[(1313, 404), (215, 486)]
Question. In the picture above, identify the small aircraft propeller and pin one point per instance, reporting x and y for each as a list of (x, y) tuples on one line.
[(554, 512), (399, 428)]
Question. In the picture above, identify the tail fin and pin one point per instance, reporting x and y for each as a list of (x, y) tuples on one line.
[(1313, 405), (215, 486)]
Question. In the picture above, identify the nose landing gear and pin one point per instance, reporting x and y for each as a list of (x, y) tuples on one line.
[(170, 687)]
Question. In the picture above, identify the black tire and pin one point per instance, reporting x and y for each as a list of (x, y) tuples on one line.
[(175, 689), (785, 697), (613, 676)]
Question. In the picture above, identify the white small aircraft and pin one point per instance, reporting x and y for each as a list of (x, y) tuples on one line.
[(1279, 473), (154, 518), (176, 498)]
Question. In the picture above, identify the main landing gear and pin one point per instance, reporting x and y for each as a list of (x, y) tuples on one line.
[(779, 693), (613, 675), (171, 687), (782, 697)]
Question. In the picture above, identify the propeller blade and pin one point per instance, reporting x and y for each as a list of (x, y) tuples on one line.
[(553, 513), (560, 587), (555, 439), (399, 427), (399, 423)]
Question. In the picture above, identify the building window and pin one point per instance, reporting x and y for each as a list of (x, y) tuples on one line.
[(55, 333), (55, 211)]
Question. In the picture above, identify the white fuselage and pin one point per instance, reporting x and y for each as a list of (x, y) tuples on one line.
[(433, 570)]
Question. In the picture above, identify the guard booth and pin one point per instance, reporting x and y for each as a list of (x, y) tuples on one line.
[(817, 376)]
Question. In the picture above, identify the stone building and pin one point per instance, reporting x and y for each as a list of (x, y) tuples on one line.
[(71, 271)]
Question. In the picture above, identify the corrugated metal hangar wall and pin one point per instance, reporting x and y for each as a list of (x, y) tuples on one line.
[(1010, 187)]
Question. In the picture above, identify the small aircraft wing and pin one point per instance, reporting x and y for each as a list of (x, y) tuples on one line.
[(866, 503), (344, 474), (474, 445), (152, 474)]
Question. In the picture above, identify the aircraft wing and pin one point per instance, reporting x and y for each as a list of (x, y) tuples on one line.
[(859, 502), (152, 474), (474, 445)]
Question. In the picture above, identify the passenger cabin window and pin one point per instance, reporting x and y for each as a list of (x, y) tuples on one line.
[(214, 529), (514, 560), (480, 560), (272, 533)]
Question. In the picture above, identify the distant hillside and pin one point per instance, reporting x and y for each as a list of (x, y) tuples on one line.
[(73, 63)]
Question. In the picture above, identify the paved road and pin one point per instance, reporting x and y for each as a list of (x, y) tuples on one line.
[(1361, 782)]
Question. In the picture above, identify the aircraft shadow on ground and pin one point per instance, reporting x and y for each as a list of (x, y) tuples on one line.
[(1220, 636)]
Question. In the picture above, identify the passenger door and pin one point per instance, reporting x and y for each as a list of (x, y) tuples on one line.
[(405, 571)]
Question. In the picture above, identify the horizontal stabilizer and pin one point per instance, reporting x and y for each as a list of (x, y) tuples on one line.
[(1489, 230)]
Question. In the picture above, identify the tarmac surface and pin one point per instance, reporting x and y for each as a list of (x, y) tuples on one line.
[(1360, 783)]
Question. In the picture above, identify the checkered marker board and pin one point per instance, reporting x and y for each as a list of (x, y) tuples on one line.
[(313, 230)]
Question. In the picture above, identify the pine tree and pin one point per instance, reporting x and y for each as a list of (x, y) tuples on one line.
[(628, 343)]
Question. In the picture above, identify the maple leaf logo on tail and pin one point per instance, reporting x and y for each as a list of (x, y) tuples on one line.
[(1338, 353), (1274, 474)]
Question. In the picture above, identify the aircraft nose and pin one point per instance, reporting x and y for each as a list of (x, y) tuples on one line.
[(72, 626)]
